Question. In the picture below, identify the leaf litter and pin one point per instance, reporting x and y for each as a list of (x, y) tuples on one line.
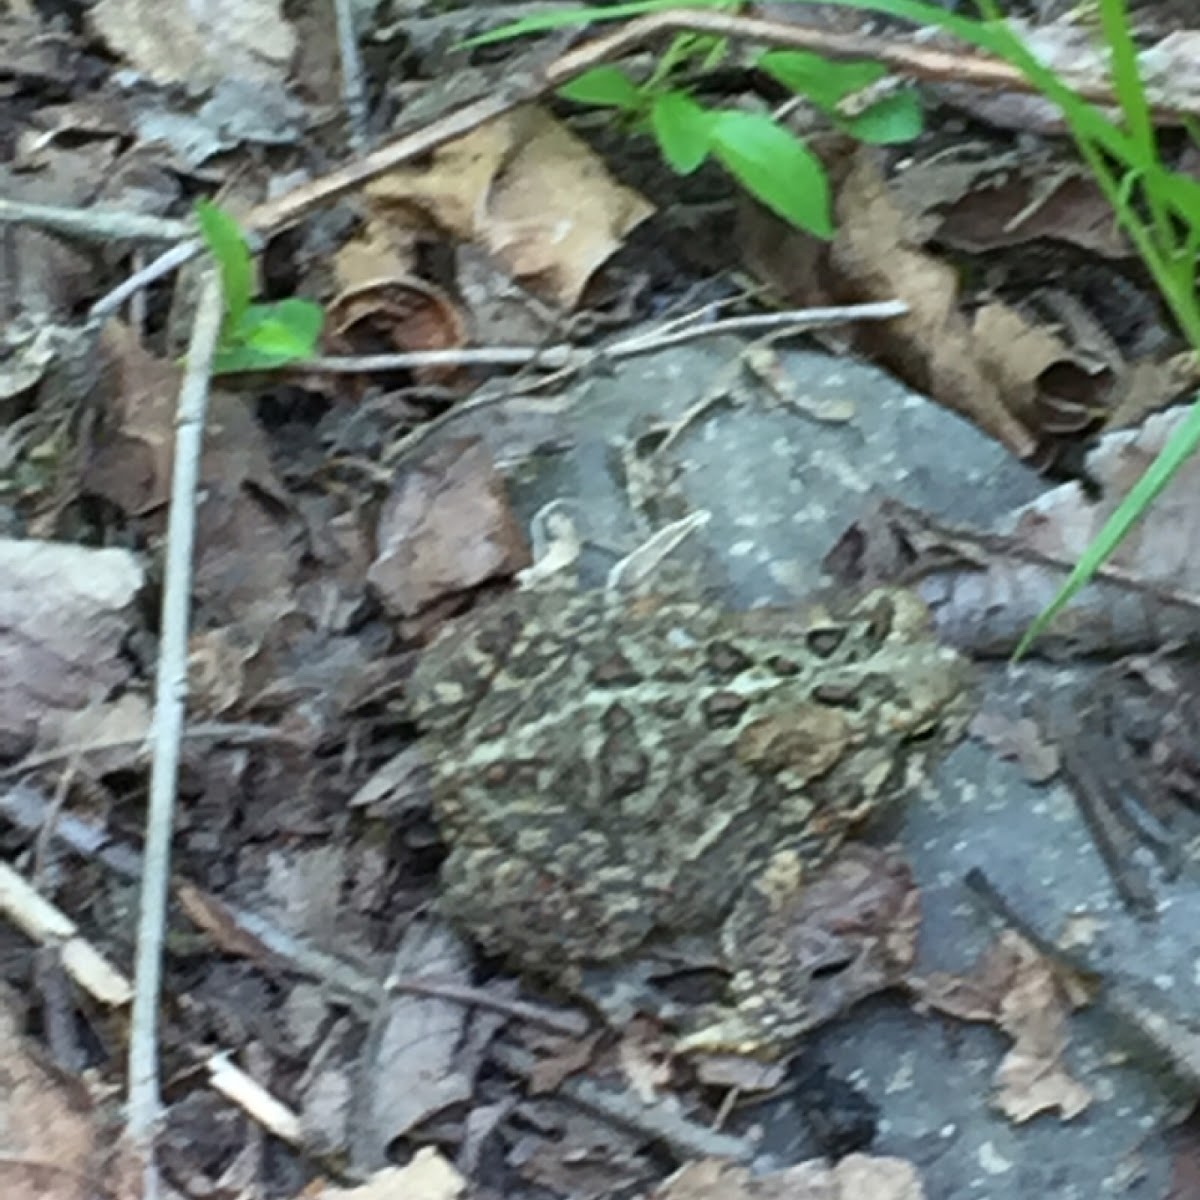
[(317, 572)]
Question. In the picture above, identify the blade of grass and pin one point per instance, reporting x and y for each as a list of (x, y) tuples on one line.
[(1179, 448)]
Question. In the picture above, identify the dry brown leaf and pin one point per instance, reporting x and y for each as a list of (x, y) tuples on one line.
[(130, 462), (527, 190), (1016, 989), (428, 1177), (173, 41), (855, 1177), (396, 313), (560, 1057), (1019, 739), (1021, 209), (446, 527), (412, 1066), (381, 249), (49, 1136), (969, 366), (65, 612)]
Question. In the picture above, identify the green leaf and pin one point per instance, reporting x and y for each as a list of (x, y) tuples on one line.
[(227, 244), (1180, 446), (289, 326), (775, 166), (894, 119), (683, 130), (608, 87), (271, 335), (825, 83)]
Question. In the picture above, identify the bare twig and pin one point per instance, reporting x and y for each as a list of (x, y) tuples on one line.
[(46, 924), (170, 699), (164, 264), (97, 224), (795, 320), (243, 733), (685, 1138), (253, 1099), (568, 1023), (354, 92)]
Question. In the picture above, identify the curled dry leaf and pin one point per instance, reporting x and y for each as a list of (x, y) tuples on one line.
[(1085, 345), (528, 191), (967, 363), (398, 314), (446, 527)]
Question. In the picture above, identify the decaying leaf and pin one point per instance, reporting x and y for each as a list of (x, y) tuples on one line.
[(65, 612), (1016, 989), (446, 527), (964, 362), (172, 41), (395, 314), (855, 1177), (51, 1150), (428, 1177), (526, 189), (1019, 739), (411, 1067)]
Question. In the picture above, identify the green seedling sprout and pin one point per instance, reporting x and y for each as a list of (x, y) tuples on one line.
[(254, 337)]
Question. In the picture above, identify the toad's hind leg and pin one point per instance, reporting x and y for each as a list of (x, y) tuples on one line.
[(769, 972), (541, 917)]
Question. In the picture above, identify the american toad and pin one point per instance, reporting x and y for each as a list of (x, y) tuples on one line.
[(608, 771)]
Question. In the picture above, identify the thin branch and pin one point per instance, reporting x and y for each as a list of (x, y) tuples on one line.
[(170, 701), (354, 92), (795, 320), (164, 264), (660, 1120), (48, 925), (96, 224)]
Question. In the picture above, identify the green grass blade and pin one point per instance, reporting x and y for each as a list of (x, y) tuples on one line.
[(1127, 79), (1179, 448)]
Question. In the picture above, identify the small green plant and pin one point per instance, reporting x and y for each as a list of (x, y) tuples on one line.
[(1157, 207), (254, 337), (757, 149)]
